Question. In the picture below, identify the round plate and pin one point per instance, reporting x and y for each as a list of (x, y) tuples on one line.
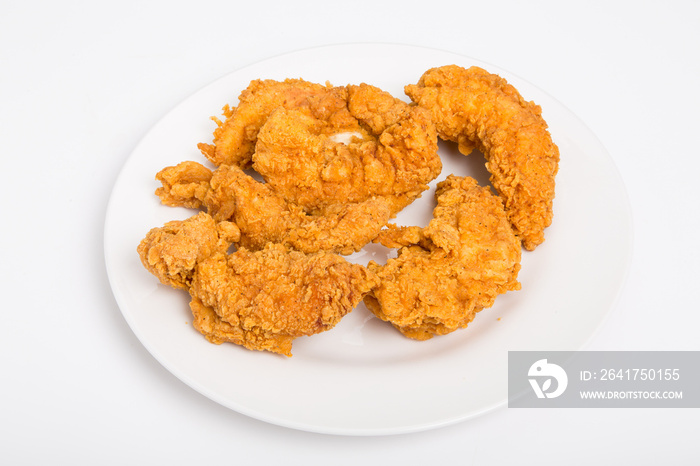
[(363, 377)]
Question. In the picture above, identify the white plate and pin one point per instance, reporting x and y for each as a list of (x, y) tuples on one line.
[(363, 377)]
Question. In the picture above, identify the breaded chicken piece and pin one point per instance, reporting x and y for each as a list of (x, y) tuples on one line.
[(172, 251), (261, 300), (311, 162), (235, 137), (447, 272), (478, 109), (229, 194)]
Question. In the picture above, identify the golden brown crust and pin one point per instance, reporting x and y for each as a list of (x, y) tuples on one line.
[(264, 217), (171, 252), (320, 145), (447, 272), (338, 163), (184, 185), (258, 299), (235, 137), (395, 158), (478, 109)]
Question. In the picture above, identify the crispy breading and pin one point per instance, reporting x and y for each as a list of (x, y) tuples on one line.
[(171, 252), (455, 267), (261, 300), (478, 109), (264, 217), (313, 162), (235, 137)]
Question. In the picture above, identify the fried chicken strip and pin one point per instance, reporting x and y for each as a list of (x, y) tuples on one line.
[(478, 109), (235, 137), (392, 154), (447, 272), (264, 217), (171, 252), (261, 300)]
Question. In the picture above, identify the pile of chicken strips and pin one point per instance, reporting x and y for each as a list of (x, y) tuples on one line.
[(338, 164)]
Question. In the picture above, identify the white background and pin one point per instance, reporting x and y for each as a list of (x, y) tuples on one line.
[(82, 82)]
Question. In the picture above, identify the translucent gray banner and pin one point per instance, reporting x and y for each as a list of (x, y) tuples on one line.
[(604, 379)]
